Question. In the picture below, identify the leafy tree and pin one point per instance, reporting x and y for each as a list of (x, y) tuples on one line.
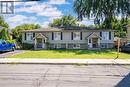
[(5, 34), (104, 11), (120, 27), (65, 21), (3, 23), (17, 30)]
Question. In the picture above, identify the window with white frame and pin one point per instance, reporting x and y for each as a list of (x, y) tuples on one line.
[(76, 46), (58, 45), (76, 35), (57, 35), (105, 35), (29, 36)]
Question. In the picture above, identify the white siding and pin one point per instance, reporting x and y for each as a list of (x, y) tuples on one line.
[(67, 37)]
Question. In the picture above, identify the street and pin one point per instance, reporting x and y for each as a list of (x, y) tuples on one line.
[(41, 75)]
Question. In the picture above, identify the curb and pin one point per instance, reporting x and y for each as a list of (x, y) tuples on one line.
[(66, 61)]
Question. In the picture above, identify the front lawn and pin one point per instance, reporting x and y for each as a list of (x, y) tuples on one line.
[(70, 54)]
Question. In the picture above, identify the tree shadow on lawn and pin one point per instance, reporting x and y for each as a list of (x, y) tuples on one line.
[(78, 52)]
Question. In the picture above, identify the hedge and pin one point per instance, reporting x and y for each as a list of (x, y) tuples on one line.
[(26, 46)]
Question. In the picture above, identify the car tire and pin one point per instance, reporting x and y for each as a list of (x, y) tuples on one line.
[(13, 49)]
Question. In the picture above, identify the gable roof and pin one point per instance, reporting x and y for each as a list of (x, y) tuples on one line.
[(58, 29), (40, 35), (92, 35)]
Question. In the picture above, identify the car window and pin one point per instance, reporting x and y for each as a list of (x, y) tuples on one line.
[(128, 44), (3, 42)]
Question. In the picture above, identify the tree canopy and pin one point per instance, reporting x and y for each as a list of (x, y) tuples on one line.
[(103, 11), (65, 21), (120, 27), (3, 23), (4, 33)]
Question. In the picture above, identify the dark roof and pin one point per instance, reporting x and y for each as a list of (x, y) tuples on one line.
[(51, 29), (80, 28)]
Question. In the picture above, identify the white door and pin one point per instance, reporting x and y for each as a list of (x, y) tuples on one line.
[(39, 43)]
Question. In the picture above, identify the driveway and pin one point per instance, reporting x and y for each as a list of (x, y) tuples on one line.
[(38, 75), (5, 54)]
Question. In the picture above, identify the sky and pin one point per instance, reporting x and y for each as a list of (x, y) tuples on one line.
[(41, 12)]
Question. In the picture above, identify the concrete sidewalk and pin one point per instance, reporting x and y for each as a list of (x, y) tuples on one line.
[(63, 61)]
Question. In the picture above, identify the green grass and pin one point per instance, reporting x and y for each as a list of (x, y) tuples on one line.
[(70, 54)]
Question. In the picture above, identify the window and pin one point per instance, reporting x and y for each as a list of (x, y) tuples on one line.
[(29, 36), (89, 40), (76, 35), (105, 35), (76, 46), (57, 45), (57, 35)]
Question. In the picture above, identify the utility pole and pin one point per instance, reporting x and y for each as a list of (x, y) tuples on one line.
[(118, 48)]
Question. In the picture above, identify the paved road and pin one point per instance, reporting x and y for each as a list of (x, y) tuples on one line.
[(32, 75), (5, 54)]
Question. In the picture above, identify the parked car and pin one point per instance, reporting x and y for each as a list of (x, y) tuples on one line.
[(126, 48), (6, 46)]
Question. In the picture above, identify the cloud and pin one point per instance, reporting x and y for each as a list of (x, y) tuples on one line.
[(45, 24), (86, 21), (58, 2), (50, 12), (20, 19), (41, 9)]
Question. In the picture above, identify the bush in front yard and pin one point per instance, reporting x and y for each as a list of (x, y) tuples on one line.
[(26, 46), (11, 41)]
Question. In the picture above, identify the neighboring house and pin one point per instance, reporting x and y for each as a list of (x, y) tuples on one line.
[(69, 38), (128, 32)]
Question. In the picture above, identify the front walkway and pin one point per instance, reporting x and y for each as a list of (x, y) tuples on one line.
[(64, 61), (4, 55)]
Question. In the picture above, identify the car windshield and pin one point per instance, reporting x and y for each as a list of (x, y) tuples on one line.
[(128, 44), (2, 42)]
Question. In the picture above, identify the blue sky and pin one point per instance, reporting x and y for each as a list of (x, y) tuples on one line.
[(41, 12)]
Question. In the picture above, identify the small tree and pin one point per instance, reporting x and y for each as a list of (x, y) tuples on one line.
[(5, 34)]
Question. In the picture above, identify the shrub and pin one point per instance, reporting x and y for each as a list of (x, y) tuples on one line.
[(26, 46)]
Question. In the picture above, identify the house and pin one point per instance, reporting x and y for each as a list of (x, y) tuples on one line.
[(69, 38), (128, 32)]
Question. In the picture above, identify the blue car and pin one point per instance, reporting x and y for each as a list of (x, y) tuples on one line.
[(5, 46)]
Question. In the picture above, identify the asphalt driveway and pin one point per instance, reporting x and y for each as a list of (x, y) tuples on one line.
[(38, 75), (5, 54)]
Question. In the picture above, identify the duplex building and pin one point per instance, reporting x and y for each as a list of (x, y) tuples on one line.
[(69, 38)]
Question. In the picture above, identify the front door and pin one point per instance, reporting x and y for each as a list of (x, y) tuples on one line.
[(39, 43), (95, 42)]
